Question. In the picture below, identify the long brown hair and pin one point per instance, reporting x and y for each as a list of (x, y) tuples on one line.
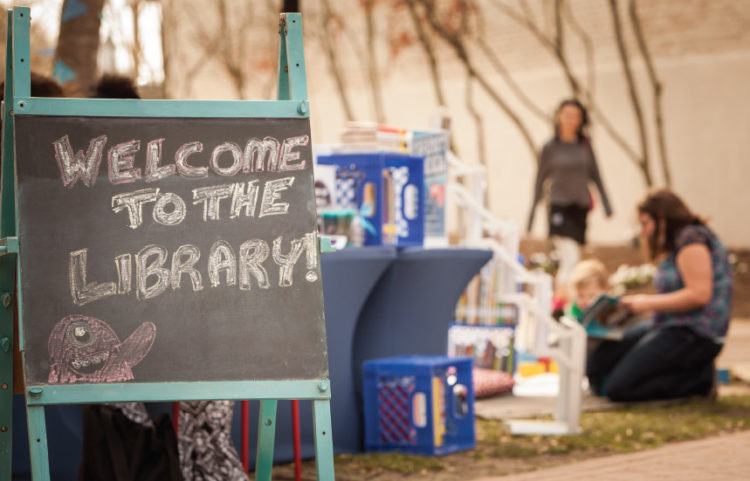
[(671, 215)]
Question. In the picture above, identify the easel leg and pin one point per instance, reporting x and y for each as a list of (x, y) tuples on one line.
[(266, 440), (323, 440), (6, 370), (38, 443)]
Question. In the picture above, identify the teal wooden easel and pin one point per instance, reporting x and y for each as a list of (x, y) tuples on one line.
[(292, 102)]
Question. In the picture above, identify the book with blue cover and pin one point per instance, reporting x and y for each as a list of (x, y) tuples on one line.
[(606, 318)]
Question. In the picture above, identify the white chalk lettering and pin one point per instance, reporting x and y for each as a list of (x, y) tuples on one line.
[(288, 154), (133, 202), (211, 198), (286, 262), (221, 257), (180, 160), (237, 159), (81, 291), (252, 255), (261, 155), (175, 215), (182, 266), (244, 199), (121, 159), (311, 253), (153, 158), (124, 273), (144, 269), (271, 193), (79, 165)]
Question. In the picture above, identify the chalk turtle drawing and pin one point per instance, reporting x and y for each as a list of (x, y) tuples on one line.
[(86, 349)]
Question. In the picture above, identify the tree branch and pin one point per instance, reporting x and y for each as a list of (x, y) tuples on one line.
[(478, 120), (632, 90), (372, 60), (333, 64), (549, 45), (657, 88), (510, 81), (429, 51), (588, 46), (461, 52)]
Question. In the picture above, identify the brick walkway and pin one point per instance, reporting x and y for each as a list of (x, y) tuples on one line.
[(723, 458)]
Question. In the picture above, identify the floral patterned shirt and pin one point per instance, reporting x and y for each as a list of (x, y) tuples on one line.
[(711, 320)]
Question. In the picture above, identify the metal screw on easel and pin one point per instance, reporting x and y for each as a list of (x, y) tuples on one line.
[(6, 300), (3, 429), (35, 392), (302, 108), (323, 386)]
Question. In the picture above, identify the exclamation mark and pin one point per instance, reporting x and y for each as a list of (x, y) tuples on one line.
[(311, 254)]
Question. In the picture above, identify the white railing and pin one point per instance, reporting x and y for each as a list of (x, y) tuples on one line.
[(538, 332)]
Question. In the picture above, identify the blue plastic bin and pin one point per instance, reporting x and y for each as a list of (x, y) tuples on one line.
[(387, 189), (419, 405)]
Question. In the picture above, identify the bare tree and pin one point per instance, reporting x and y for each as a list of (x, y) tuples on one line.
[(657, 88), (78, 45), (231, 42), (478, 120), (481, 42), (455, 37), (330, 28), (555, 43), (135, 49), (373, 73), (429, 50), (632, 91)]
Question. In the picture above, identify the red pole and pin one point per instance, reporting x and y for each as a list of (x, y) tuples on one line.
[(245, 441), (297, 442), (176, 416)]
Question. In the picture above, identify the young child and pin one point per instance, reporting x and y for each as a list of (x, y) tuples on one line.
[(588, 280)]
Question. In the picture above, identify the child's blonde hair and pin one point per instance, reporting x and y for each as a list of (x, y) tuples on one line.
[(585, 272)]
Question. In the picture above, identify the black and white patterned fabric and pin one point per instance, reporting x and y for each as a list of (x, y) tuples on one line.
[(346, 193), (400, 176), (136, 412), (205, 442)]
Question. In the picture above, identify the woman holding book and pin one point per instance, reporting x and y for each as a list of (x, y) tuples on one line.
[(674, 356)]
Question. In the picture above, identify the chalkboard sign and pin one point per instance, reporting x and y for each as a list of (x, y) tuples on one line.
[(168, 249)]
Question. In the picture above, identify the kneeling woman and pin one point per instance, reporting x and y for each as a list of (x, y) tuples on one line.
[(674, 356)]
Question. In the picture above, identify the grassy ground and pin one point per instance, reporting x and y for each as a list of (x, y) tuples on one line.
[(623, 430)]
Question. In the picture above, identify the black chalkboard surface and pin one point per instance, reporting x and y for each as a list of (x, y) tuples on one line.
[(160, 249)]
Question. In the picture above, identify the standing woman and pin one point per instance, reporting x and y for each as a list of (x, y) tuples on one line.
[(674, 357), (568, 164)]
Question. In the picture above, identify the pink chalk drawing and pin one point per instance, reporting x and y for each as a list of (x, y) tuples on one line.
[(84, 349)]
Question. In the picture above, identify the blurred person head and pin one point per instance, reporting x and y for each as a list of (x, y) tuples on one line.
[(41, 86), (571, 120), (662, 215), (111, 86), (588, 280)]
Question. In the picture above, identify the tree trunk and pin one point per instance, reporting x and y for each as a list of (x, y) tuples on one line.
[(372, 61), (658, 90), (78, 46), (334, 68), (633, 92)]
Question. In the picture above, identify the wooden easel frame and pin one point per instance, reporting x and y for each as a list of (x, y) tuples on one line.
[(292, 103)]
